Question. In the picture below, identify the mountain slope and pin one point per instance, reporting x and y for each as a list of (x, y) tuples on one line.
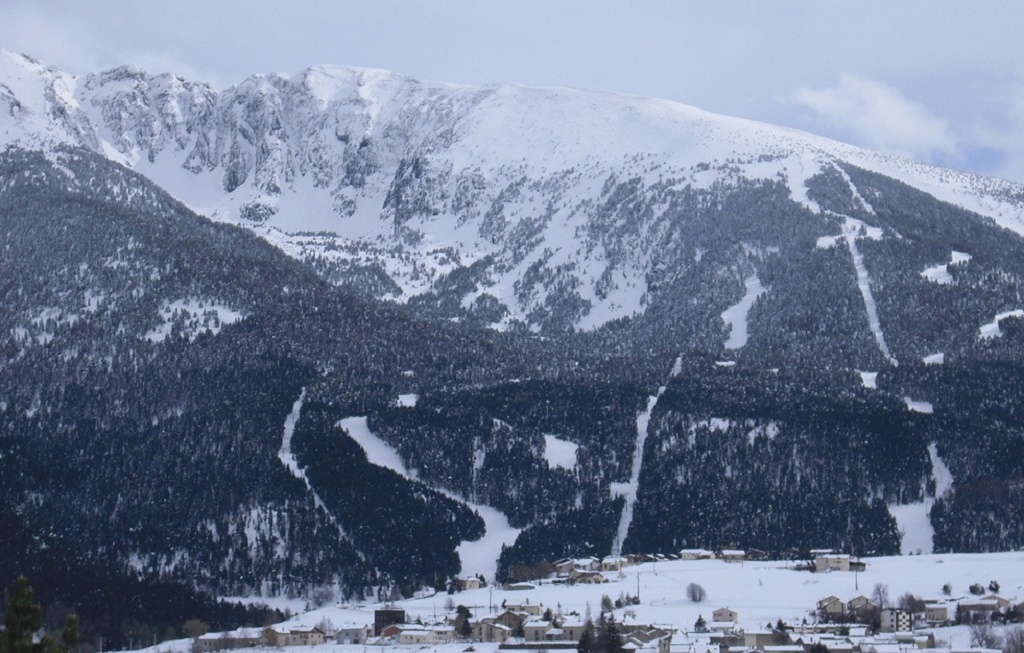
[(151, 360), (558, 209), (813, 337)]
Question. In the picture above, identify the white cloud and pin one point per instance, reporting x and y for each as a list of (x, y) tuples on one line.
[(958, 61), (996, 139), (879, 117), (1010, 141), (31, 30)]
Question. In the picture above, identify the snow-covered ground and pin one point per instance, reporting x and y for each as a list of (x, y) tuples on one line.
[(940, 273), (195, 316), (940, 472), (408, 400), (992, 330), (915, 526), (628, 490), (760, 592), (913, 519), (559, 453), (285, 454), (919, 406)]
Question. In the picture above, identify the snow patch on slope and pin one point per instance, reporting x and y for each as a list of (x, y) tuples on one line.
[(992, 330), (377, 451), (919, 406), (408, 400), (559, 453), (827, 242), (913, 519), (769, 431), (629, 490), (940, 273), (940, 473), (193, 316), (917, 534), (736, 315)]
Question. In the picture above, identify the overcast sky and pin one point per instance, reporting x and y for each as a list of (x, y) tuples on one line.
[(934, 80)]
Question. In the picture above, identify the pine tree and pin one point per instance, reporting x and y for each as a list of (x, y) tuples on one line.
[(608, 638), (69, 637), (22, 622), (587, 643), (463, 621), (22, 619)]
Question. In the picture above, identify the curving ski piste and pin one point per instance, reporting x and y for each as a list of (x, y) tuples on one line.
[(478, 557)]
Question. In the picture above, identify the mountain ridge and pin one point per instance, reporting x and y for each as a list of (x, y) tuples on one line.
[(377, 162)]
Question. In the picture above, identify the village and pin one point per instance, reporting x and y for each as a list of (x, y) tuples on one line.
[(557, 612)]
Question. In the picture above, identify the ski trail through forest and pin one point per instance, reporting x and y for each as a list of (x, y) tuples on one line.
[(629, 490), (288, 459)]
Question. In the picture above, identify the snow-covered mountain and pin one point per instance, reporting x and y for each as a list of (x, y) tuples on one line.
[(559, 201), (749, 336)]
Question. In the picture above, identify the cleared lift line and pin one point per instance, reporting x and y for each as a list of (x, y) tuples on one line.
[(629, 490)]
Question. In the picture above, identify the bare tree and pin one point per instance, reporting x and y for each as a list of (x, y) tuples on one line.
[(880, 595), (910, 603), (327, 627), (695, 592), (983, 635), (193, 628), (1013, 640), (322, 596), (606, 604)]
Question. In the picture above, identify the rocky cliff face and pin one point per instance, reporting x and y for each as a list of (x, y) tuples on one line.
[(550, 209)]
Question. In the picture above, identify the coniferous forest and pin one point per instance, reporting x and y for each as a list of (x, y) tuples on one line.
[(151, 360)]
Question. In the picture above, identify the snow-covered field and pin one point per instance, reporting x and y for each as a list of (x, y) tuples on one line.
[(760, 592)]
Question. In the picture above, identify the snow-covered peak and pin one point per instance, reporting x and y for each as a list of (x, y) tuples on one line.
[(328, 83), (498, 125), (418, 178), (38, 106)]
